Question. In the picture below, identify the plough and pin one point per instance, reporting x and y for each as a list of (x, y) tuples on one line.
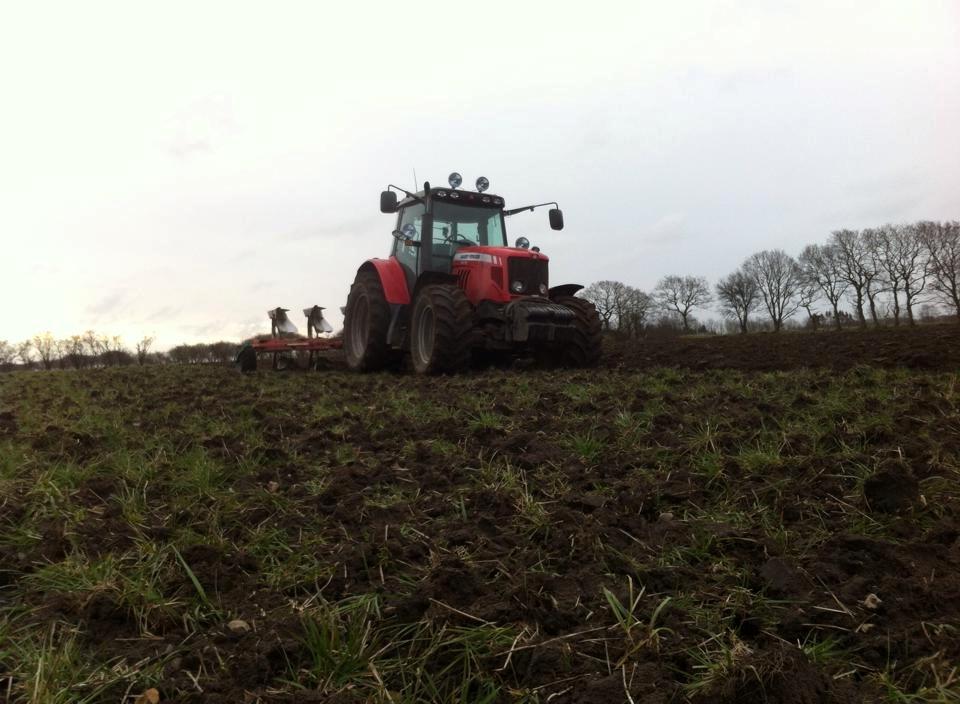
[(284, 340)]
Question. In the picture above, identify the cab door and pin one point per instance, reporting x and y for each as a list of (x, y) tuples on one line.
[(409, 255)]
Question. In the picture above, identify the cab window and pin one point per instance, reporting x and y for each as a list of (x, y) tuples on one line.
[(458, 225), (407, 254)]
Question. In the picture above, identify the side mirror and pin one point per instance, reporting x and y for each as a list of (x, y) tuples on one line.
[(388, 202), (556, 219)]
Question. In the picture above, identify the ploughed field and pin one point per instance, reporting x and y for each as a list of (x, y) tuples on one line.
[(923, 347), (640, 532)]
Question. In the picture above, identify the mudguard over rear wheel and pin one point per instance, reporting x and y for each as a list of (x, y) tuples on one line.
[(440, 329), (365, 325)]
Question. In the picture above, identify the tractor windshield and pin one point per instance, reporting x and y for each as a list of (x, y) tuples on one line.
[(463, 226)]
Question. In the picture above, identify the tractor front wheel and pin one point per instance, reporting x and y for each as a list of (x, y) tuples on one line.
[(440, 330), (583, 347), (365, 324)]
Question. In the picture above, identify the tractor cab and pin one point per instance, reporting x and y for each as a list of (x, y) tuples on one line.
[(432, 226), (452, 288), (453, 231)]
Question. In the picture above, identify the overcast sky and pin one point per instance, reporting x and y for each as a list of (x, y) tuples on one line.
[(178, 170)]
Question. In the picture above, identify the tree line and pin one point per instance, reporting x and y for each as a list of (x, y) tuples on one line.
[(90, 349), (859, 277)]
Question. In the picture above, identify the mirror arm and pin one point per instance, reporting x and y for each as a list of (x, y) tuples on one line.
[(404, 239), (514, 211), (405, 192)]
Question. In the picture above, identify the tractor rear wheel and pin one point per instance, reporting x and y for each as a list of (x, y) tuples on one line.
[(583, 347), (440, 330), (365, 324)]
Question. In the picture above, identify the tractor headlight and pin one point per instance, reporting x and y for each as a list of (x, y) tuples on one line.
[(517, 286), (522, 243), (543, 289)]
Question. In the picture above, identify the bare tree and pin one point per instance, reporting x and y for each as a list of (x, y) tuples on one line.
[(634, 309), (620, 296), (604, 295), (143, 349), (942, 241), (25, 352), (7, 354), (738, 296), (778, 279), (73, 351), (808, 293), (60, 352), (821, 264), (884, 244), (113, 352), (681, 294), (902, 254), (876, 284), (94, 346), (914, 266), (856, 267), (47, 348)]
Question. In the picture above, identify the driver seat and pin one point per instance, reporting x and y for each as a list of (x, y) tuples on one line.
[(442, 258)]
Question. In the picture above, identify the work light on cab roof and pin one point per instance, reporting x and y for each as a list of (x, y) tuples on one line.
[(452, 289)]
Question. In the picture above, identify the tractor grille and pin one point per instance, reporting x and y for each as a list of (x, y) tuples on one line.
[(532, 272)]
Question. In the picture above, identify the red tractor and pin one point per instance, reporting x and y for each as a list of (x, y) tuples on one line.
[(452, 291)]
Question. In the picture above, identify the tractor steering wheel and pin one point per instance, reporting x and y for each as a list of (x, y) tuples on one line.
[(458, 239)]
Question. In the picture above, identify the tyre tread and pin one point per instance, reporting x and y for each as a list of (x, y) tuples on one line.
[(377, 354), (584, 347), (453, 321)]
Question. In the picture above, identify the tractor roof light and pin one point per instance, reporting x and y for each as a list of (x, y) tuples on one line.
[(455, 180), (522, 243), (482, 184)]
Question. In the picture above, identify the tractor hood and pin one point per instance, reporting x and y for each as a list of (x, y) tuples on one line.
[(500, 273), (466, 254)]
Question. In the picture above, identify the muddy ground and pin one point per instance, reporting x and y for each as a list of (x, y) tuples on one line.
[(920, 347), (705, 527)]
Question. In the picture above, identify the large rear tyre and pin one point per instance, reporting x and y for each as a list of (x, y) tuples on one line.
[(365, 325), (440, 330), (584, 346)]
